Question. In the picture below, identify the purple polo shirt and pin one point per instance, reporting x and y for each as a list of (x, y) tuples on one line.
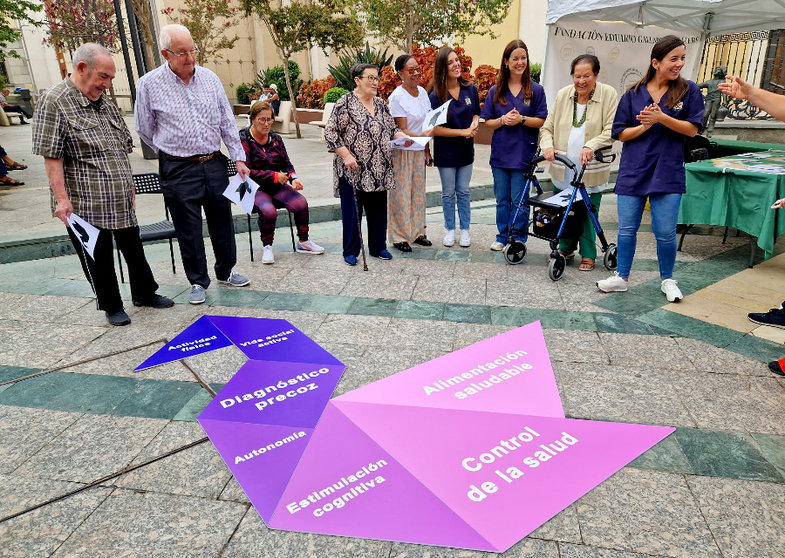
[(653, 163), (458, 151), (512, 147)]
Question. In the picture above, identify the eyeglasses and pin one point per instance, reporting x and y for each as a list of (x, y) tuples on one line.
[(372, 79), (193, 52), (413, 71), (263, 120)]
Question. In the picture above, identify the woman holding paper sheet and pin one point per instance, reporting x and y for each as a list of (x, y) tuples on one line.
[(409, 103), (271, 168), (580, 124), (453, 144), (515, 109)]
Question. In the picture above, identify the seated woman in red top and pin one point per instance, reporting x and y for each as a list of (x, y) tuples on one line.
[(278, 184)]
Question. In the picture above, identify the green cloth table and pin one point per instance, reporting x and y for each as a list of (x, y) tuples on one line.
[(737, 191)]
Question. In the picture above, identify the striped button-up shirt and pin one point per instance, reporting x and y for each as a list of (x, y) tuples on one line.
[(93, 141), (185, 120)]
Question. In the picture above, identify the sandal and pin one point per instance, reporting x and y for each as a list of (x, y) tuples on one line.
[(16, 166), (6, 181), (587, 264)]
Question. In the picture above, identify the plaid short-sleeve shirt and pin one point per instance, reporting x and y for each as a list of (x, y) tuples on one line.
[(93, 141)]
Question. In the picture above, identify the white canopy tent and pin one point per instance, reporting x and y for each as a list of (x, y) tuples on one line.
[(622, 32)]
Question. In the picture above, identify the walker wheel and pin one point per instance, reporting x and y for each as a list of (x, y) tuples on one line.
[(610, 257), (556, 267), (514, 252)]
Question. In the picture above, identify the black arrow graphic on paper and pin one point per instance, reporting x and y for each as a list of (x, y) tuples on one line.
[(83, 236), (243, 189)]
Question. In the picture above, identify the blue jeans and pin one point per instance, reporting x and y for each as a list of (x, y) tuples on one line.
[(664, 213), (455, 182), (508, 185)]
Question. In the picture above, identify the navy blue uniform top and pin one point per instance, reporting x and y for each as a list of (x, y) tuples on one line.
[(653, 163), (457, 151), (512, 147)]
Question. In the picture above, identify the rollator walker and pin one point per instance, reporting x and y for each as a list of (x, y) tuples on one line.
[(553, 221)]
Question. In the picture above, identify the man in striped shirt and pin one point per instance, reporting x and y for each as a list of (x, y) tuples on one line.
[(183, 113)]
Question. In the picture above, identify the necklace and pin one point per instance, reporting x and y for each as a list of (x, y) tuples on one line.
[(575, 122)]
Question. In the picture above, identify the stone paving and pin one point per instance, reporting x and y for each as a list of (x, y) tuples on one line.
[(72, 411)]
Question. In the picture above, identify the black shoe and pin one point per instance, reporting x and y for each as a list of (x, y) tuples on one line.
[(119, 318), (423, 241), (157, 301), (775, 367), (402, 246), (774, 317)]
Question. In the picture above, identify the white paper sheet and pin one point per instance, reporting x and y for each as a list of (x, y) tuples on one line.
[(436, 117), (85, 232), (419, 143), (242, 192)]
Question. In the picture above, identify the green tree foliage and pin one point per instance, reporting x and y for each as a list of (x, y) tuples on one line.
[(207, 20), (277, 76), (10, 11), (342, 72), (429, 22), (297, 25)]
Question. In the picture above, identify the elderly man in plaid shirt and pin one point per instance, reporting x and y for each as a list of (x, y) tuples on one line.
[(183, 113), (85, 145)]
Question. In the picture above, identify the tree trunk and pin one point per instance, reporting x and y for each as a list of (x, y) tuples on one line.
[(141, 9), (291, 94)]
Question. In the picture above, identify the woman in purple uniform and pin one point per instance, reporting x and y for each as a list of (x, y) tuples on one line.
[(653, 119)]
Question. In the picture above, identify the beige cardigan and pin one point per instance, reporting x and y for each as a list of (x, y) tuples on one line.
[(600, 111)]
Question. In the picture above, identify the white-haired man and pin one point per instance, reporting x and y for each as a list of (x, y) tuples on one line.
[(183, 113), (85, 145)]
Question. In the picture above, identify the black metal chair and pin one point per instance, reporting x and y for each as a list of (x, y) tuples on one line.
[(150, 183), (231, 170)]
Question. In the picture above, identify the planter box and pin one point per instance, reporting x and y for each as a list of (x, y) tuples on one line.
[(241, 109), (304, 116)]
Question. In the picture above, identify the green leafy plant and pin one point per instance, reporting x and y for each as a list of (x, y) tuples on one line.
[(244, 92), (536, 69), (277, 76), (343, 71), (334, 94), (209, 21)]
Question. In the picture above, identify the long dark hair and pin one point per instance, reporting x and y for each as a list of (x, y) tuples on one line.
[(439, 80), (678, 87), (504, 74)]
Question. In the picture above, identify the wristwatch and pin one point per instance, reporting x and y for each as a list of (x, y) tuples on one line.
[(523, 122)]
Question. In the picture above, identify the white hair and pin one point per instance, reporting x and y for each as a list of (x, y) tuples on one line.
[(165, 38), (88, 53)]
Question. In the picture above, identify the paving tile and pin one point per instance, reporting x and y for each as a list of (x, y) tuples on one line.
[(726, 454), (254, 540), (732, 403), (644, 351), (420, 310), (582, 551), (197, 471), (758, 349), (328, 304), (505, 315), (93, 447), (708, 358), (563, 527), (244, 298), (705, 308), (648, 512), (157, 399), (13, 372), (641, 297), (232, 492), (284, 301), (467, 313), (690, 327), (667, 456), (41, 344), (154, 525), (41, 532), (63, 391), (23, 432), (380, 285), (66, 287), (556, 319), (453, 255), (773, 449), (618, 323), (194, 406), (373, 307), (457, 290), (575, 346), (745, 517)]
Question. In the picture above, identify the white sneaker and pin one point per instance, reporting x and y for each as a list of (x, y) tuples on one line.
[(497, 246), (613, 284), (465, 241), (309, 247), (449, 238), (672, 292), (267, 255)]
